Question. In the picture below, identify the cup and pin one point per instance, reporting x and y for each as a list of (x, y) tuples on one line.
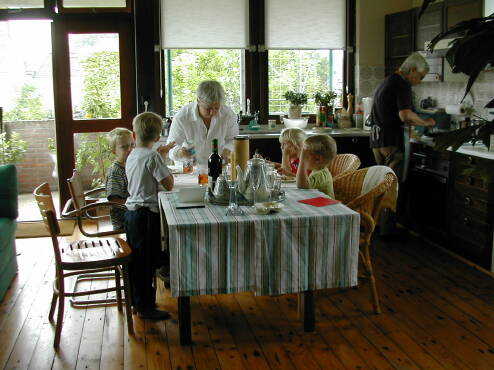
[(202, 177), (271, 123), (188, 166)]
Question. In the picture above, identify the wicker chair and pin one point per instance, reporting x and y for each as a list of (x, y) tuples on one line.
[(348, 189), (343, 164)]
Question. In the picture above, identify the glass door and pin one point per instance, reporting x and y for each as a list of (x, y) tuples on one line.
[(94, 92)]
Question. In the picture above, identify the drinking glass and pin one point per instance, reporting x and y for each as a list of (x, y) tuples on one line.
[(233, 208)]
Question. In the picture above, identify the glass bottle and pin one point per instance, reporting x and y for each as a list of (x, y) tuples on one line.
[(215, 163)]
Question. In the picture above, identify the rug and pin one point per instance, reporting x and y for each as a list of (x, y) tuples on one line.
[(37, 229)]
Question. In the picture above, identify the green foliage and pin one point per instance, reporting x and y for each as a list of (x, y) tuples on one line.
[(94, 153), (296, 98), (28, 106), (190, 67), (12, 148), (101, 85), (51, 145), (325, 98)]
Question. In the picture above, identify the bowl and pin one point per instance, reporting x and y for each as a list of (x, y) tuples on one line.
[(295, 122), (268, 207)]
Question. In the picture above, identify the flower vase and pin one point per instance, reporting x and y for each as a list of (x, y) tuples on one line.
[(295, 111)]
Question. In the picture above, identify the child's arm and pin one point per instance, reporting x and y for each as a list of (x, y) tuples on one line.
[(302, 179), (167, 182)]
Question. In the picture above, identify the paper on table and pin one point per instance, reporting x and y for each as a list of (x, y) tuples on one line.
[(319, 201)]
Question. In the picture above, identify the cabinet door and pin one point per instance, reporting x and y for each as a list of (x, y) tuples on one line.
[(358, 145), (399, 39), (462, 10), (429, 25)]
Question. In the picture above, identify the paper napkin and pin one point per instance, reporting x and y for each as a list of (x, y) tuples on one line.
[(319, 201)]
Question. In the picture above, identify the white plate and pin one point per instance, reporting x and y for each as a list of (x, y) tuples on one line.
[(288, 179)]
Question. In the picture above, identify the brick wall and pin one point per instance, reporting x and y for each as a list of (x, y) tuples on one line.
[(37, 166)]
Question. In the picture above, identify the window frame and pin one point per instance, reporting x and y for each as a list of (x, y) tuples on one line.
[(256, 61)]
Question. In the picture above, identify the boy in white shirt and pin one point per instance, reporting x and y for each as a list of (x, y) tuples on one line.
[(145, 170)]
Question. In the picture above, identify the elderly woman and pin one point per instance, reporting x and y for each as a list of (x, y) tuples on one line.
[(198, 123)]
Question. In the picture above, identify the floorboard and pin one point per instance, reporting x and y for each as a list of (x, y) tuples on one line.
[(438, 313)]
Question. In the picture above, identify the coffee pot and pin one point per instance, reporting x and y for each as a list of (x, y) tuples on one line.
[(254, 185)]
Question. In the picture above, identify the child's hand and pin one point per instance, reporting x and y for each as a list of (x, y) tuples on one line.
[(164, 149), (285, 172)]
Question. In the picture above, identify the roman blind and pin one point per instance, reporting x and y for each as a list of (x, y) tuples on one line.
[(199, 24), (308, 24)]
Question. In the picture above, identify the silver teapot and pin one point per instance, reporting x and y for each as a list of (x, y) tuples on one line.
[(254, 184)]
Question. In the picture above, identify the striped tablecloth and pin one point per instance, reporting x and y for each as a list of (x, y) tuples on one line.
[(300, 248)]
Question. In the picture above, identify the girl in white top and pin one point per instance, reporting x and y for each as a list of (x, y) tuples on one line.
[(200, 122)]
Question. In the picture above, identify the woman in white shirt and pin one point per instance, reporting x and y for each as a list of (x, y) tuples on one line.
[(198, 123)]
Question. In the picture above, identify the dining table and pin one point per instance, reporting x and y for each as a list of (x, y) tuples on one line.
[(300, 249)]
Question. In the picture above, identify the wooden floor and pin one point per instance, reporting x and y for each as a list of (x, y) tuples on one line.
[(437, 313)]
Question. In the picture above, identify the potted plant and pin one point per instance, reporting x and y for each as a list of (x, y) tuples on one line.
[(470, 52), (296, 100), (325, 102), (12, 148), (95, 154)]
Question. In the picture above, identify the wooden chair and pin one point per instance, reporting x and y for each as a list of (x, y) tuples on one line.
[(343, 164), (79, 199), (81, 257), (348, 189)]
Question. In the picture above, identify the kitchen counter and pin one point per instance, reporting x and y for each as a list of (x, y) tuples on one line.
[(477, 150), (265, 133)]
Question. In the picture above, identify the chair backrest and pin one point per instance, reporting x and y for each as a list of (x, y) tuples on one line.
[(343, 164), (76, 190), (348, 189), (44, 198)]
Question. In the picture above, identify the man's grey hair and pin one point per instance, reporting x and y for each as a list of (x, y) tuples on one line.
[(415, 60), (210, 92)]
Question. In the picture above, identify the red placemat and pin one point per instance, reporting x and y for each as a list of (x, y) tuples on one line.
[(319, 201)]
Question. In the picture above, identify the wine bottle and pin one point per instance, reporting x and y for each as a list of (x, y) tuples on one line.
[(215, 163)]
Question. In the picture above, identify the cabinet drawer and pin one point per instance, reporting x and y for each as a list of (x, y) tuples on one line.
[(471, 198), (474, 181), (467, 226)]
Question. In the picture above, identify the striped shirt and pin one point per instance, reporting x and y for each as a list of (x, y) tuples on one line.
[(116, 188)]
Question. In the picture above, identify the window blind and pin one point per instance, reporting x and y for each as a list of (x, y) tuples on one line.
[(198, 24), (308, 24)]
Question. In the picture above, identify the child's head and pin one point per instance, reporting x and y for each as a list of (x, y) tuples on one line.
[(121, 142), (292, 139), (321, 149), (147, 127)]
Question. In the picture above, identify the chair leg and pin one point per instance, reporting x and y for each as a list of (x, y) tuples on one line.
[(375, 296), (52, 307), (118, 288), (61, 304), (128, 310)]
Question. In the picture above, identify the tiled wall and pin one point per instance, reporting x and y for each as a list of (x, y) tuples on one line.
[(446, 93), (367, 78)]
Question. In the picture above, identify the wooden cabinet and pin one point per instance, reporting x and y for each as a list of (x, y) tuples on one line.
[(358, 145), (429, 25), (399, 39), (461, 10), (472, 200)]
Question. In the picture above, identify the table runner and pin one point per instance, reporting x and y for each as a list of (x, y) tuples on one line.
[(300, 248)]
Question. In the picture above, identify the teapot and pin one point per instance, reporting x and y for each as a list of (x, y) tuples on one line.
[(254, 186)]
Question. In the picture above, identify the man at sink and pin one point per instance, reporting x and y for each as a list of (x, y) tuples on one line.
[(196, 125), (392, 111)]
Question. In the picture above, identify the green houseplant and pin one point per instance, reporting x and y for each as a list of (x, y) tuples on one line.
[(94, 153), (325, 102), (296, 100), (470, 52)]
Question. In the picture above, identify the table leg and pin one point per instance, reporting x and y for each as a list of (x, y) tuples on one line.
[(184, 323), (308, 310)]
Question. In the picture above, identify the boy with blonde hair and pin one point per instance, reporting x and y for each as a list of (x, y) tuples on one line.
[(145, 170), (291, 140), (317, 152), (122, 143)]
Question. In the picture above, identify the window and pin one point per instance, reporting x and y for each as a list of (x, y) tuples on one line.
[(306, 71), (304, 43), (95, 75), (186, 68), (25, 4)]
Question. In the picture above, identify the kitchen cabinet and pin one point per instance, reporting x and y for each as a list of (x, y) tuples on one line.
[(462, 10), (429, 25), (471, 216), (358, 145), (399, 39)]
